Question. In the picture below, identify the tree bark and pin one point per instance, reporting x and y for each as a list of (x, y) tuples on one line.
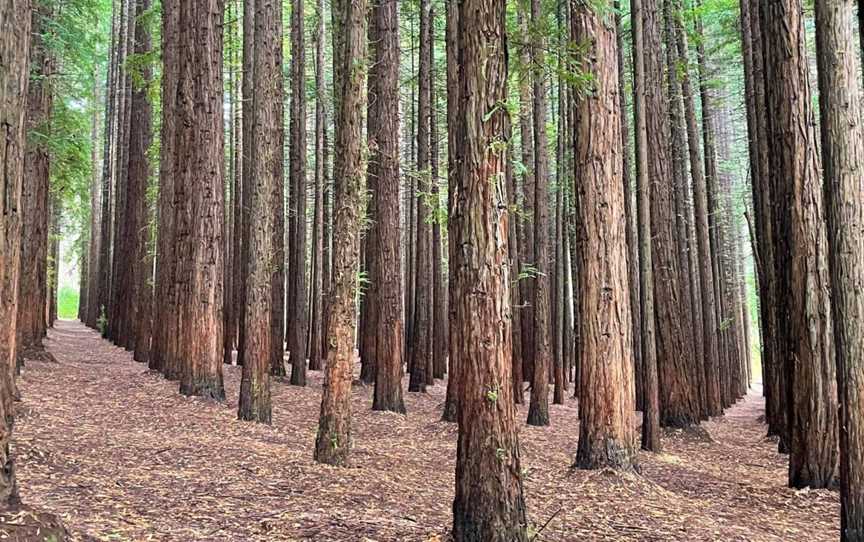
[(644, 194), (14, 80), (489, 505), (333, 442), (806, 337), (199, 172), (316, 323), (842, 154)]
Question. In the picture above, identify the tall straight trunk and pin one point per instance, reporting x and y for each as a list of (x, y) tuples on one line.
[(711, 399), (644, 194), (607, 433), (439, 309), (515, 302), (384, 165), (316, 315), (138, 216), (489, 505), (451, 402), (247, 136), (333, 442), (233, 309), (298, 325), (120, 313), (673, 331), (267, 140), (806, 336), (842, 154), (14, 80), (538, 410), (678, 152), (89, 313), (36, 218), (420, 345), (199, 171), (526, 132), (557, 326), (164, 351), (629, 212), (713, 366)]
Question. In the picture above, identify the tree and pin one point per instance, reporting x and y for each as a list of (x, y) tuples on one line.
[(317, 306), (199, 195), (538, 410), (489, 505), (138, 206), (806, 334), (163, 356), (333, 442), (842, 154), (266, 158), (607, 435), (453, 118), (298, 326), (420, 348), (384, 166), (14, 81), (35, 215), (651, 399)]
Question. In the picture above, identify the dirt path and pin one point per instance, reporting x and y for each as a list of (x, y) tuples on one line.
[(120, 455)]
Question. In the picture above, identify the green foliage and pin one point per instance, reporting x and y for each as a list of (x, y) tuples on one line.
[(67, 303)]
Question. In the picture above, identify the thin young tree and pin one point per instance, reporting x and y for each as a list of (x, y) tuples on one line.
[(489, 505), (333, 443), (842, 154), (806, 334), (298, 325), (538, 409), (316, 305), (651, 399)]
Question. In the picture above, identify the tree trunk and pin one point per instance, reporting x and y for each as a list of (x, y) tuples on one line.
[(266, 158), (644, 194), (164, 353), (199, 172), (607, 436), (451, 402), (298, 325), (806, 336), (538, 410), (528, 216), (14, 80), (333, 442), (842, 154), (489, 505), (384, 165), (36, 219), (316, 323)]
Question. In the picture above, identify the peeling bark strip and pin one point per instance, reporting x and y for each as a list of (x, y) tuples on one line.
[(806, 336), (333, 443), (199, 195), (488, 505), (607, 435), (843, 154)]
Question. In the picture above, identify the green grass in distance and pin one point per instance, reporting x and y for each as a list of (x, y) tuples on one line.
[(67, 304)]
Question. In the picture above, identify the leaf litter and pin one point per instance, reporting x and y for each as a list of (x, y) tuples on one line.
[(118, 454)]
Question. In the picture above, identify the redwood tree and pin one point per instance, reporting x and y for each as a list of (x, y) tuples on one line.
[(607, 434), (333, 442), (199, 170), (489, 505), (842, 154)]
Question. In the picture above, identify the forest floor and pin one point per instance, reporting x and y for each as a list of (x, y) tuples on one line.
[(118, 454)]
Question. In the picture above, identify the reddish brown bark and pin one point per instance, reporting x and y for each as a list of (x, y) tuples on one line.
[(489, 505)]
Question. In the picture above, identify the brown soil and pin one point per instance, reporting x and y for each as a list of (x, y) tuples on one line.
[(118, 454)]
